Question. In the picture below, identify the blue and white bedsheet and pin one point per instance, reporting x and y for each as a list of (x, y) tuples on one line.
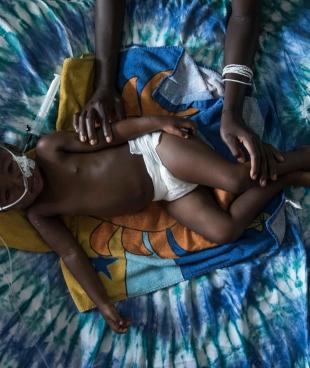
[(247, 315)]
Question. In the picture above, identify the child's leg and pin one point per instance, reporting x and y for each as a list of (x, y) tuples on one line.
[(194, 161), (200, 212)]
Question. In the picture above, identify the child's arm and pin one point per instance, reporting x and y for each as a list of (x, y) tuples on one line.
[(123, 131), (58, 237)]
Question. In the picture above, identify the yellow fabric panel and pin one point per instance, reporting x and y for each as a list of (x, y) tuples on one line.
[(19, 234), (77, 80)]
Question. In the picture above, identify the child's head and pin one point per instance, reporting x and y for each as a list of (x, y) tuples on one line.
[(20, 180)]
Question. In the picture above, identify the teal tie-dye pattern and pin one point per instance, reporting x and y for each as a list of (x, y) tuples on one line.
[(249, 315)]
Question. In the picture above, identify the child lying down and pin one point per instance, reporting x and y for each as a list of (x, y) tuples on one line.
[(150, 159)]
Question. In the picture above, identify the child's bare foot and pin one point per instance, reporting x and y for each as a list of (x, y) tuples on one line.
[(114, 320)]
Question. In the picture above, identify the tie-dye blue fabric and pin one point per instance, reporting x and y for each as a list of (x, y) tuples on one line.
[(248, 315)]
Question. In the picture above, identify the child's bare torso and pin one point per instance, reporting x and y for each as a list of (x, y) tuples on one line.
[(93, 184)]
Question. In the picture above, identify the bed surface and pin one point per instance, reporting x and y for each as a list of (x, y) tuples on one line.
[(248, 315)]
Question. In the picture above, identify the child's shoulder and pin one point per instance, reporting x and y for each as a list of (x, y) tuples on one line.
[(48, 145)]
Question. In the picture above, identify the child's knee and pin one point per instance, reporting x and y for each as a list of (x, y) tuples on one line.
[(228, 234), (239, 181), (223, 232)]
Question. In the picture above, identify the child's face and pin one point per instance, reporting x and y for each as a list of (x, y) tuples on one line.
[(12, 183)]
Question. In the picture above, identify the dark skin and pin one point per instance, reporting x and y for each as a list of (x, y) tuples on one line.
[(240, 45), (72, 178), (105, 106)]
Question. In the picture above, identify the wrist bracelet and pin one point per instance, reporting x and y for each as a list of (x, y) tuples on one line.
[(243, 70), (236, 81)]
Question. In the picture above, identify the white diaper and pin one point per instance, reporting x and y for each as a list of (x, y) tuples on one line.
[(166, 186)]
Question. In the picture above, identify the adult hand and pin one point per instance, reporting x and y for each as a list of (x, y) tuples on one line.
[(103, 108), (263, 157)]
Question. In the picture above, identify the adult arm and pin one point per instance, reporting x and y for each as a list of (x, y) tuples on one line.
[(105, 105), (240, 45), (109, 26)]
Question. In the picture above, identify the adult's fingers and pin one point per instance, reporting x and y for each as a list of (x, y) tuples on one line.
[(250, 144), (90, 126), (106, 128), (82, 127), (234, 147), (119, 109), (264, 165), (277, 154), (272, 165), (76, 117)]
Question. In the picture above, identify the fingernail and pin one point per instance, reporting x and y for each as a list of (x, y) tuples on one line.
[(263, 183), (254, 176), (109, 139), (83, 138), (93, 142)]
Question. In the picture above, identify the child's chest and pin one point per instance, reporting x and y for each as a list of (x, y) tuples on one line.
[(96, 184)]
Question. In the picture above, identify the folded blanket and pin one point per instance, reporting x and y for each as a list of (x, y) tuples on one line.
[(147, 251)]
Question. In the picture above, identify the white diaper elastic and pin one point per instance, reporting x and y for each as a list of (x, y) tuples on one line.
[(166, 186)]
